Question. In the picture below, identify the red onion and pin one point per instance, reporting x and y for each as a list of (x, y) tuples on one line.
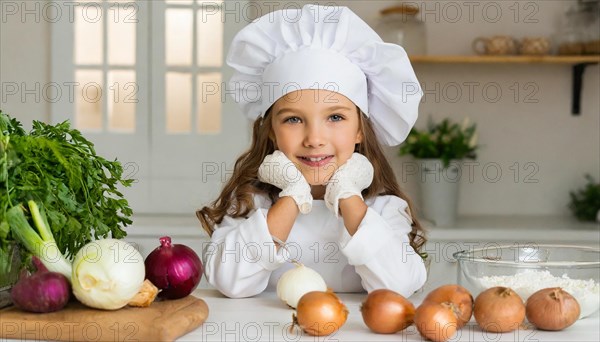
[(42, 291), (175, 269)]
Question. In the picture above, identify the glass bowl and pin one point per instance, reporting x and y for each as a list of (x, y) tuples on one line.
[(529, 268)]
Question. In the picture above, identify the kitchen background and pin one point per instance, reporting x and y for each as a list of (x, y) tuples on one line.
[(522, 111), (144, 81)]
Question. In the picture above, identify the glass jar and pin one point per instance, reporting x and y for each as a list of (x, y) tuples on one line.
[(592, 46), (592, 29), (570, 38), (400, 25)]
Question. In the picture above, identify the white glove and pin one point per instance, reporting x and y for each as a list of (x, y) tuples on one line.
[(278, 170), (349, 180)]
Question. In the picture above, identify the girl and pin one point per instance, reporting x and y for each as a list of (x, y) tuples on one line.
[(324, 91)]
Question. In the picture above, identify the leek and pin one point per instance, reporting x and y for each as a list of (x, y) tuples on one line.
[(41, 245)]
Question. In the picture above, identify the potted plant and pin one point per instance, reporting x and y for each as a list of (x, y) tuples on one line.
[(585, 202), (440, 148)]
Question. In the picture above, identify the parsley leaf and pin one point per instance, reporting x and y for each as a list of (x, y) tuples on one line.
[(55, 166)]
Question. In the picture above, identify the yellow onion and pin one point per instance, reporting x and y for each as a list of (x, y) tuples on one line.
[(436, 321), (387, 312), (552, 309), (320, 313), (499, 309), (457, 295)]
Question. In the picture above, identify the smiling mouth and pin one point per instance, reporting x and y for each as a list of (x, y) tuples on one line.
[(315, 161)]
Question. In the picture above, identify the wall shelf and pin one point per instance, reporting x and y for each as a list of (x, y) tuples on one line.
[(523, 228), (578, 64), (505, 59)]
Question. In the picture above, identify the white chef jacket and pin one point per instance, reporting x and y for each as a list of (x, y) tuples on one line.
[(241, 259)]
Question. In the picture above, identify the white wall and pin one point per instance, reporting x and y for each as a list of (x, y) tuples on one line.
[(561, 146), (24, 60)]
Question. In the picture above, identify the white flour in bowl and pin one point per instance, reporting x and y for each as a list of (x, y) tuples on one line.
[(587, 292)]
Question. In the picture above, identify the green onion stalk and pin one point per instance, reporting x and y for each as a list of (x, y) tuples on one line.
[(40, 243)]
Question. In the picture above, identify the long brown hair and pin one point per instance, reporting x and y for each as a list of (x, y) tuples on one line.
[(237, 197)]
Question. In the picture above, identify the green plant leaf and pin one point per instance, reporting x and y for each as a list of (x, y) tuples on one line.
[(445, 140), (58, 167), (585, 201)]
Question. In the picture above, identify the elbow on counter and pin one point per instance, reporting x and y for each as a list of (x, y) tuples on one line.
[(234, 288), (406, 281), (224, 279), (420, 276), (417, 277), (235, 293)]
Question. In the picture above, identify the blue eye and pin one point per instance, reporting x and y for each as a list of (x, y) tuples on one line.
[(292, 119), (336, 117)]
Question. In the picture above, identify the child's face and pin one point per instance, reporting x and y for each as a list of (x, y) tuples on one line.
[(316, 124)]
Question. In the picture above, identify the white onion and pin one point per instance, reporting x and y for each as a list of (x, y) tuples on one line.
[(107, 274), (298, 281)]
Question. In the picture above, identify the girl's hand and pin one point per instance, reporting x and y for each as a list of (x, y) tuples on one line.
[(349, 180), (279, 171)]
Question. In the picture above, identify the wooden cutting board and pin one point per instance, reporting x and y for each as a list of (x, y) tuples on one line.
[(161, 321)]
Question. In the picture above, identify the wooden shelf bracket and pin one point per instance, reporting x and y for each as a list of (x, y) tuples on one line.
[(578, 70)]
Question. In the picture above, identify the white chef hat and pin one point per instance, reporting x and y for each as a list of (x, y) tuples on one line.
[(330, 48)]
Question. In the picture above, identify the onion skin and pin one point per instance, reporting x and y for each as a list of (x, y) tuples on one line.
[(146, 296), (436, 321), (41, 292), (457, 295), (387, 312), (320, 313), (499, 309), (175, 269), (552, 309)]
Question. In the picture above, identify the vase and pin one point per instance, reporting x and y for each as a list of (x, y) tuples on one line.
[(439, 190), (400, 25)]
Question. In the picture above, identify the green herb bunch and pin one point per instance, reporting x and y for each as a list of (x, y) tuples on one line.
[(585, 202), (444, 140), (58, 168)]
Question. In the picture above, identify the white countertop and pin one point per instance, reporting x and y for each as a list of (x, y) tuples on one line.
[(266, 318)]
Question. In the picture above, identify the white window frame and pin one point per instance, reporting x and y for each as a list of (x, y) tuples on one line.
[(167, 182)]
